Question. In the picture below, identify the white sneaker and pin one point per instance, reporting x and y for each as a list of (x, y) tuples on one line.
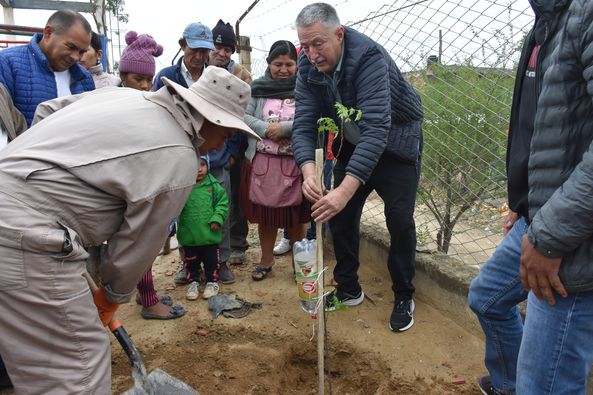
[(210, 290), (282, 247), (193, 291)]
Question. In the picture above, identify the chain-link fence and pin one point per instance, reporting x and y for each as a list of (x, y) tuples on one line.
[(461, 56)]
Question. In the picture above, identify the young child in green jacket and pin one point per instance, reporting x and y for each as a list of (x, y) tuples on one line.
[(199, 232)]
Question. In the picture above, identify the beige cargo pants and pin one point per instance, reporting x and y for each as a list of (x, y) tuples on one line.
[(51, 339)]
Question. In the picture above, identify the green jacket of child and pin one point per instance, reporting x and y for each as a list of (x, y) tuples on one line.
[(207, 203)]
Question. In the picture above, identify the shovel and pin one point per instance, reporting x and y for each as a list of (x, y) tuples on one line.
[(157, 382)]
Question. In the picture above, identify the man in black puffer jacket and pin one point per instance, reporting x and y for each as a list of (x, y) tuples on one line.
[(381, 152), (548, 247)]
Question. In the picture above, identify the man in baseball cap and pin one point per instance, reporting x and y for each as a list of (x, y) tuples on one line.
[(196, 44)]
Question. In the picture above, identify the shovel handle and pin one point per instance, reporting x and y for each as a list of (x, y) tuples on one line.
[(91, 282), (114, 324), (118, 330)]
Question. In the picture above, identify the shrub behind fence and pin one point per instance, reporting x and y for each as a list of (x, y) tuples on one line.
[(461, 56)]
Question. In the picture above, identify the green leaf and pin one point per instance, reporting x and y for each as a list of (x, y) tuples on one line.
[(338, 303), (328, 125), (345, 114)]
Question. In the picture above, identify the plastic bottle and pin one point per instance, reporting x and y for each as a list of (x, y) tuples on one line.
[(305, 266)]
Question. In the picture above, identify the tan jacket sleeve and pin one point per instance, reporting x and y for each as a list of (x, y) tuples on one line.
[(133, 248), (47, 108), (12, 119), (154, 186)]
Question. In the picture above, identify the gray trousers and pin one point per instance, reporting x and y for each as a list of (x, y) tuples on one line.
[(51, 339), (239, 225), (223, 176)]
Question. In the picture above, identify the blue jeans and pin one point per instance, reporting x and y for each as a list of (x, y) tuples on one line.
[(494, 295), (311, 232), (557, 349)]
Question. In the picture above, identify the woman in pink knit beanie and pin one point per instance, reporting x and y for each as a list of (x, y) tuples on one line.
[(136, 65), (136, 70)]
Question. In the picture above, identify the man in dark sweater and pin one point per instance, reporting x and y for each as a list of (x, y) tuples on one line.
[(381, 153)]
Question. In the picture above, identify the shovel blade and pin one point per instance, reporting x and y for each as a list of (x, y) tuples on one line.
[(163, 383)]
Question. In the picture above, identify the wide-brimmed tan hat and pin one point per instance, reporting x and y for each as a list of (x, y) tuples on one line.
[(219, 96)]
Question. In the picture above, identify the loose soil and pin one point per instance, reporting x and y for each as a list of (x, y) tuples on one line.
[(273, 351)]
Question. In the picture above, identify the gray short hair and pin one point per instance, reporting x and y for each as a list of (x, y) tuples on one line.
[(61, 21), (318, 12)]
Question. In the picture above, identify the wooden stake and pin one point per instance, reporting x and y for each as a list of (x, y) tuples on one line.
[(320, 265)]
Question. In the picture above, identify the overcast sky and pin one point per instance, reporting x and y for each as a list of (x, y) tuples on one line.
[(268, 21), (272, 20)]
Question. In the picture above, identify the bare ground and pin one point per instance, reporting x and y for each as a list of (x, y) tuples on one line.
[(271, 351)]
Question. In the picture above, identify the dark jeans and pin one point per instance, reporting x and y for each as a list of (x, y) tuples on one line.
[(194, 256), (311, 232), (239, 226), (396, 183)]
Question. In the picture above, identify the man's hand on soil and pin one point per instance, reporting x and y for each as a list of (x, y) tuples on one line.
[(540, 273)]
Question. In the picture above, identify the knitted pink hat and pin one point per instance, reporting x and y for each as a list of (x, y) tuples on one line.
[(138, 56)]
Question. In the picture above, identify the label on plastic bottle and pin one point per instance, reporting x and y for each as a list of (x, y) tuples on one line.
[(305, 268), (307, 287)]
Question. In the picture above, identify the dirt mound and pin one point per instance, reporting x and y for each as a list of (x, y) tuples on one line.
[(217, 359), (270, 352)]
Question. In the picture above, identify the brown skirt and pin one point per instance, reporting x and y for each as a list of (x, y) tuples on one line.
[(280, 217)]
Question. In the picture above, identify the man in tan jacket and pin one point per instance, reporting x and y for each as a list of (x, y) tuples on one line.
[(58, 198), (12, 122)]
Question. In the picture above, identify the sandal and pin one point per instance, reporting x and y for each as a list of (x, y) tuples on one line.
[(175, 312), (259, 272), (165, 299)]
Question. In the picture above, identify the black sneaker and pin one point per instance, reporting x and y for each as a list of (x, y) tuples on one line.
[(402, 316), (333, 301), (485, 384)]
